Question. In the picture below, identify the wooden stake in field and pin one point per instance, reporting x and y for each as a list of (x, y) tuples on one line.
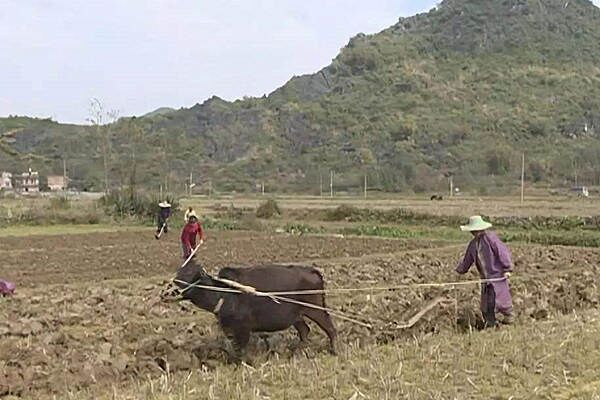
[(523, 179), (365, 186)]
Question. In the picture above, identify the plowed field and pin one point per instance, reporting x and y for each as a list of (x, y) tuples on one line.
[(87, 313)]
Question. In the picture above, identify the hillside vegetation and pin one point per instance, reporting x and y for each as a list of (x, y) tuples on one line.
[(463, 89)]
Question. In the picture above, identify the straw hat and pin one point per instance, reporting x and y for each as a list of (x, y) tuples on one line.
[(476, 223), (164, 204), (192, 214)]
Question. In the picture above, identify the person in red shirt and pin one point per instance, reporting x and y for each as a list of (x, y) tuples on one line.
[(189, 233)]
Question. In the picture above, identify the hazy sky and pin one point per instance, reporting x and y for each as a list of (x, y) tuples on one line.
[(138, 55)]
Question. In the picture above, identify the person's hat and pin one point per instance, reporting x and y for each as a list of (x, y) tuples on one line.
[(164, 204), (476, 223), (192, 214)]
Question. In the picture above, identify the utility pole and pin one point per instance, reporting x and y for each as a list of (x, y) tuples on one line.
[(262, 188), (190, 185), (321, 184), (523, 179), (65, 174), (365, 186), (450, 180), (331, 183)]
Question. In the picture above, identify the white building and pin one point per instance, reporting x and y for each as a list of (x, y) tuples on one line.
[(57, 182), (6, 181), (28, 182)]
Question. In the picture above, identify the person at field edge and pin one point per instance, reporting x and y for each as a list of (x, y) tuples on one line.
[(191, 229), (493, 261), (164, 213)]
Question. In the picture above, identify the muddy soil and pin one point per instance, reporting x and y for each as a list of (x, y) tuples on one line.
[(87, 312)]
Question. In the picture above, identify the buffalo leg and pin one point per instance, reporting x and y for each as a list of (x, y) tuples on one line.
[(240, 341), (302, 329), (324, 321)]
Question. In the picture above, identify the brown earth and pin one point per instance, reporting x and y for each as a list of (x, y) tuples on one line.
[(77, 258), (87, 312)]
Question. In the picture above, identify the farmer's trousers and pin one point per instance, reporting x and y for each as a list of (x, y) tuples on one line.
[(160, 223), (496, 297), (488, 304)]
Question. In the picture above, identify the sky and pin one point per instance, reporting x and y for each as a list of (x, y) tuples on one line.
[(138, 55)]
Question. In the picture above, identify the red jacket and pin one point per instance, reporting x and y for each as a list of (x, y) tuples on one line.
[(188, 236)]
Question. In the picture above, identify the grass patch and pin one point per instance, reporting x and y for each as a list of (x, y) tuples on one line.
[(579, 238), (296, 228), (383, 231), (219, 224), (407, 232), (409, 217), (60, 203)]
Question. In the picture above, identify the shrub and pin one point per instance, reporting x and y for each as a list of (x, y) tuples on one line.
[(127, 203), (342, 213), (268, 209), (60, 203)]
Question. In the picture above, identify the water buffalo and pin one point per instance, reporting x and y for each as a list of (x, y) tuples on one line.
[(241, 314)]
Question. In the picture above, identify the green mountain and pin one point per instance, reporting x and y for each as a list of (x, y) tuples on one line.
[(464, 89), (159, 111)]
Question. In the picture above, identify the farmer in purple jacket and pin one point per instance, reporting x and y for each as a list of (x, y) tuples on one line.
[(493, 261)]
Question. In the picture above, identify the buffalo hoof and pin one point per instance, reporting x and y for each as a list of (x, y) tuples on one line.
[(332, 350), (298, 347), (233, 359), (237, 357)]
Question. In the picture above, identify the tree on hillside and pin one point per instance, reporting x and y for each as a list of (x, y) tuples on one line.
[(132, 137), (102, 121), (5, 139)]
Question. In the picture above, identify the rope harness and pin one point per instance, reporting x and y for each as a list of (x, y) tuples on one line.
[(278, 297)]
